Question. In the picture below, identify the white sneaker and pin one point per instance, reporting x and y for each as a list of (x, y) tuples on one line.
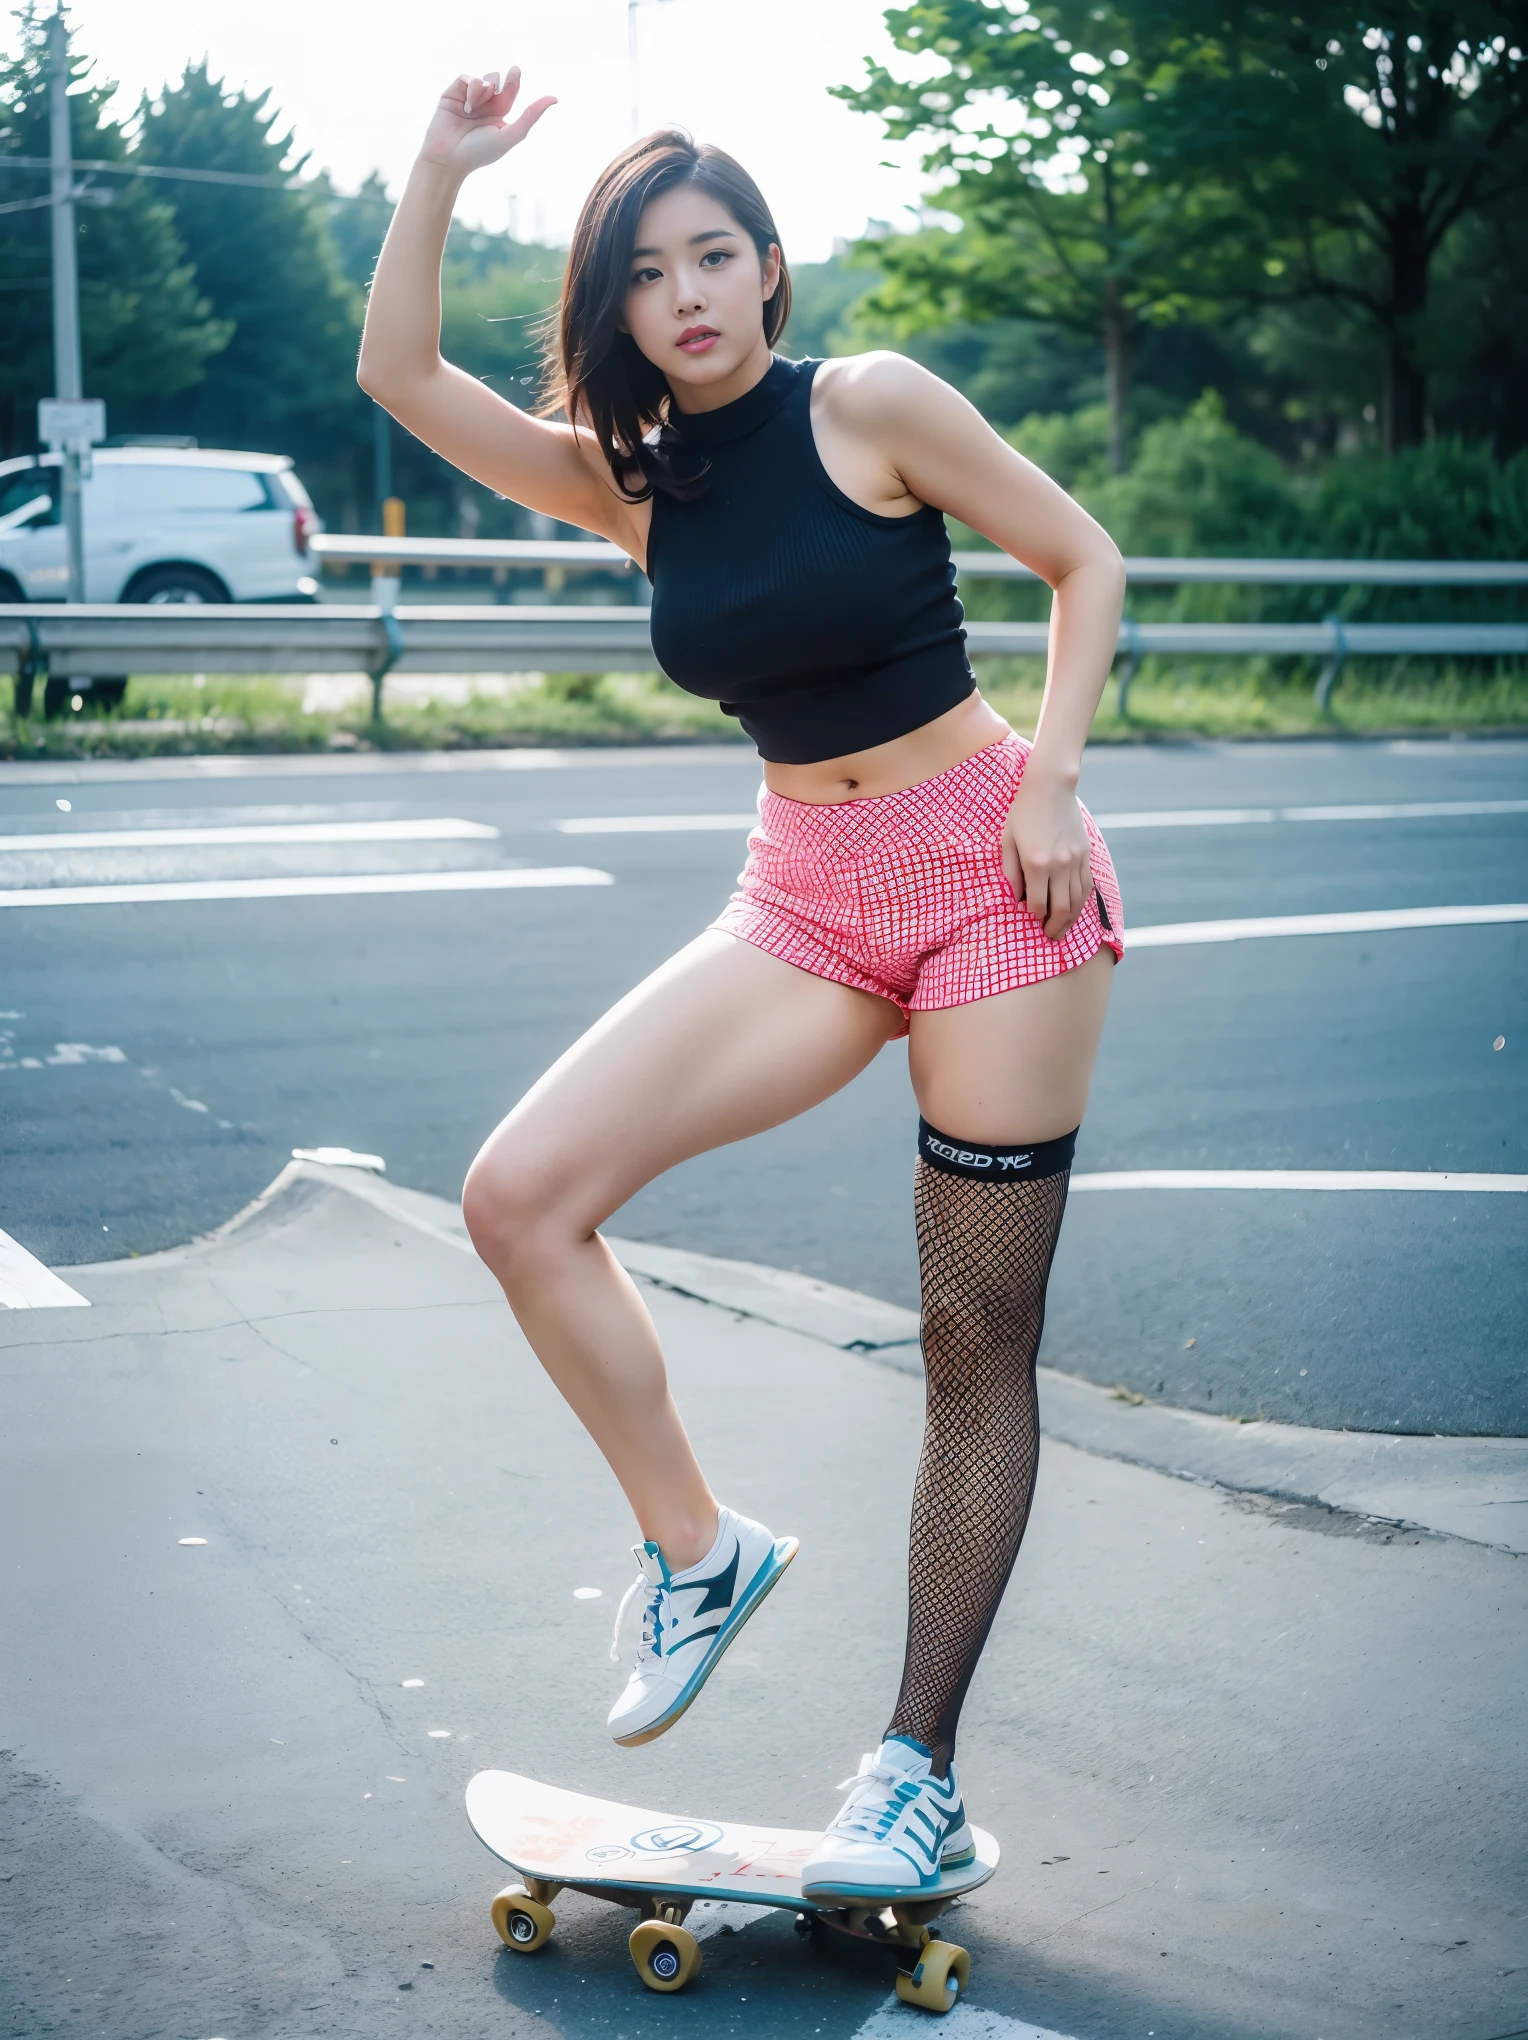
[(896, 1833), (689, 1619)]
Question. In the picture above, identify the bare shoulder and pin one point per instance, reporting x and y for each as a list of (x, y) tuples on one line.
[(870, 392)]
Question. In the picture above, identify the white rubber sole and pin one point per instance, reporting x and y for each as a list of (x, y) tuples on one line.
[(758, 1590)]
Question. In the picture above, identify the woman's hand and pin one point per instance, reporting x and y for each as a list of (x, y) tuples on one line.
[(472, 128), (1045, 851)]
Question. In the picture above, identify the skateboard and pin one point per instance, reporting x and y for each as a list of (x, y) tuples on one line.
[(660, 1864)]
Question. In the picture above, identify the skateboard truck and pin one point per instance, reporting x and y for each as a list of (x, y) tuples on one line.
[(941, 1970), (523, 1914), (664, 1950)]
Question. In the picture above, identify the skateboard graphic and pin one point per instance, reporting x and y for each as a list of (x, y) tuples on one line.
[(660, 1864)]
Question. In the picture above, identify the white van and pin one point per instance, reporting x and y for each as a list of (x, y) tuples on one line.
[(162, 524)]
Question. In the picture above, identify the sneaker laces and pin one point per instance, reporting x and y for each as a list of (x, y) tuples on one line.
[(873, 1803), (652, 1619)]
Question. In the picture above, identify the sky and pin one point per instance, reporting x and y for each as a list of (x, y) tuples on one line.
[(356, 80)]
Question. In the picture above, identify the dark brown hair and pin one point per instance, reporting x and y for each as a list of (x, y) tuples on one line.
[(594, 371)]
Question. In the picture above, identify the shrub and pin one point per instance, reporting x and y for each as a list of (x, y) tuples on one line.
[(1196, 487), (1450, 499), (1071, 446)]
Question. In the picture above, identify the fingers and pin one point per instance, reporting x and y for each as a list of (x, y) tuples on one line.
[(1037, 891), (488, 97), (1053, 894), (520, 128), (1069, 894)]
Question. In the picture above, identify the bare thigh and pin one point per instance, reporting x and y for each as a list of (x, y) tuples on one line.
[(1016, 1067), (721, 1042)]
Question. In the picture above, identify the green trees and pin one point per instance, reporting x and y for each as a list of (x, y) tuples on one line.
[(147, 327), (1126, 166), (268, 264), (1357, 145), (232, 313), (1041, 127)]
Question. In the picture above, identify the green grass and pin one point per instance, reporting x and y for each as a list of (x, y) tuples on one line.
[(1169, 699), (172, 714), (1265, 698)]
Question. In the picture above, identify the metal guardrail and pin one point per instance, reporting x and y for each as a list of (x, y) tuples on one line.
[(89, 640), (347, 549)]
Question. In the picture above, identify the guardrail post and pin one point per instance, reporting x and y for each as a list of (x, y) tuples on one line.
[(392, 630), (1130, 639), (1335, 660), (33, 667)]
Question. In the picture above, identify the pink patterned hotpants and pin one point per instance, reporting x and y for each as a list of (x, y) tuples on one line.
[(905, 895)]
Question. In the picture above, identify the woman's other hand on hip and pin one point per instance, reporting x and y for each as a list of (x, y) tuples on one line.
[(1046, 852)]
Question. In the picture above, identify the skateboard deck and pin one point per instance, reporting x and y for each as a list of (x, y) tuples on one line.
[(661, 1863)]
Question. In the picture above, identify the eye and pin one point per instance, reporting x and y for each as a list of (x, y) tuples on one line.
[(715, 257), (645, 276)]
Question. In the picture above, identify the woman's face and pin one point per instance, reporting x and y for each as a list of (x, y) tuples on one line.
[(695, 304)]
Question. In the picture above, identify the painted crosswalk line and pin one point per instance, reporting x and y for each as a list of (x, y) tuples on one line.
[(322, 886), (1384, 920), (432, 829), (1299, 1179)]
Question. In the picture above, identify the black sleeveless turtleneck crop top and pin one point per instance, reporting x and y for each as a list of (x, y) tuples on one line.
[(823, 627)]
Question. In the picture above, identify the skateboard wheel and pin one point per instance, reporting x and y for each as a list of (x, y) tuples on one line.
[(523, 1922), (942, 1973), (667, 1956)]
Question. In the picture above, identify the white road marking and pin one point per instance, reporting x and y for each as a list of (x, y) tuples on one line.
[(436, 829), (1187, 818), (652, 825), (1297, 1179), (1394, 811), (1172, 934), (1405, 811), (967, 2022), (302, 888), (25, 1284), (330, 765), (710, 1916)]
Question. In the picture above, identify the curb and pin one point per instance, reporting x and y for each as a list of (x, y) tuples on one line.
[(1475, 1489)]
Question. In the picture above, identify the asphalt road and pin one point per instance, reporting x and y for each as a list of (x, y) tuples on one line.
[(165, 1058), (298, 1537)]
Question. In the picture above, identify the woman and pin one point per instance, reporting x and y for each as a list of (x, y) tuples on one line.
[(917, 869)]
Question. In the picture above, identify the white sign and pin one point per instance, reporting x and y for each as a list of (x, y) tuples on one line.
[(66, 421)]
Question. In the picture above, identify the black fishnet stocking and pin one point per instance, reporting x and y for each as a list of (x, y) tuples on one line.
[(984, 1251)]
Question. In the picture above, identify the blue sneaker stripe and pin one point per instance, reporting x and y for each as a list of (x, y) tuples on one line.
[(766, 1576)]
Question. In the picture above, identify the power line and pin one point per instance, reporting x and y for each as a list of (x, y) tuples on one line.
[(245, 177)]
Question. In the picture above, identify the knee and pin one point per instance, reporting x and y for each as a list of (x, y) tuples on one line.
[(513, 1205)]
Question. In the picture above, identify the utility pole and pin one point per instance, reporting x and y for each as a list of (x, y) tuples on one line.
[(68, 381)]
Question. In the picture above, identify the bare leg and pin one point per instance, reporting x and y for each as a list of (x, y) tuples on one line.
[(1015, 1068), (1010, 1072), (721, 1042)]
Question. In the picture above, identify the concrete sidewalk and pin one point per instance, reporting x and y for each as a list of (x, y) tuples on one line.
[(1257, 1765)]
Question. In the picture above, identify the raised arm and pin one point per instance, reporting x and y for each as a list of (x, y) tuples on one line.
[(532, 460), (939, 449)]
